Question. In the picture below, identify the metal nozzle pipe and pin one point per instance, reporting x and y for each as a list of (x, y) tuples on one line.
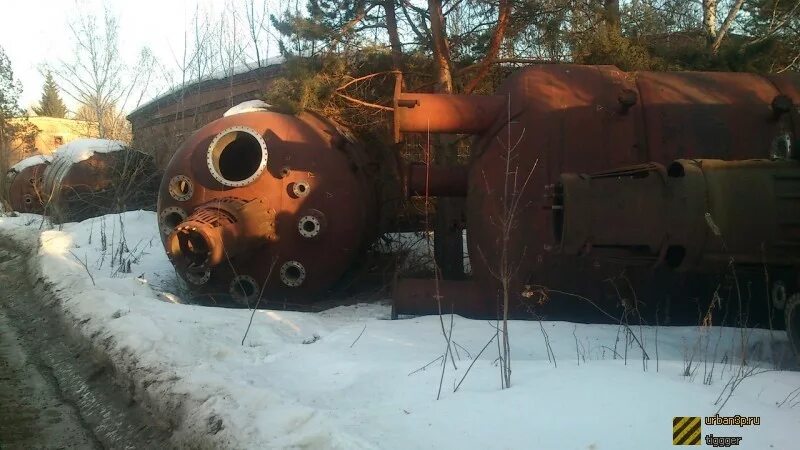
[(219, 230), (444, 113)]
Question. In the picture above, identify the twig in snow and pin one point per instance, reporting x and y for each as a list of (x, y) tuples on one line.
[(457, 345), (83, 263), (625, 325), (790, 397), (426, 365), (260, 295), (734, 382), (446, 351), (473, 362), (616, 355), (359, 336)]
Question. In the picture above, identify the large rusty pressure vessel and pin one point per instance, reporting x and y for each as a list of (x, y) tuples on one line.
[(262, 204), (551, 119), (90, 177), (24, 184)]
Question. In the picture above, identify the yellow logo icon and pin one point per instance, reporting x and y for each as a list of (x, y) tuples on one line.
[(686, 431)]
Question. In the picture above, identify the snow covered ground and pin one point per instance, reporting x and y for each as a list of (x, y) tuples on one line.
[(349, 378)]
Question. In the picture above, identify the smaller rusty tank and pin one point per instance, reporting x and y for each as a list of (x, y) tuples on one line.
[(24, 184), (268, 205), (91, 177)]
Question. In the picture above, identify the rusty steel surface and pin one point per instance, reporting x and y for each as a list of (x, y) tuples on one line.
[(263, 202), (436, 181), (103, 183), (442, 113), (693, 215), (588, 119), (416, 296), (24, 188)]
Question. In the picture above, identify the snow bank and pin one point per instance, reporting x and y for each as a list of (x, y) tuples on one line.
[(30, 162), (248, 106), (83, 149), (348, 378)]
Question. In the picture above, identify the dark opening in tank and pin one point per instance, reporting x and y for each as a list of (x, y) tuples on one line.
[(293, 273), (676, 170), (236, 156), (193, 246), (243, 287), (674, 256), (172, 220)]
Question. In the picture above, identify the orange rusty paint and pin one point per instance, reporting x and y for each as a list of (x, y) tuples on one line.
[(307, 211), (445, 113), (25, 192), (586, 119), (101, 184)]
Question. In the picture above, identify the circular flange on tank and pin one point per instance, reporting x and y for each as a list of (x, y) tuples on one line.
[(181, 188), (237, 156)]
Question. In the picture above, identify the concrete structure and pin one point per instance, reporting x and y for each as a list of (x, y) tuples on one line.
[(163, 124), (52, 133)]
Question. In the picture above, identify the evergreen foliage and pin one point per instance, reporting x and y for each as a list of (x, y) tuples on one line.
[(51, 104)]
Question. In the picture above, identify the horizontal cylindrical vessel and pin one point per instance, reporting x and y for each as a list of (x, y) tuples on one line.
[(558, 119), (693, 215), (91, 177)]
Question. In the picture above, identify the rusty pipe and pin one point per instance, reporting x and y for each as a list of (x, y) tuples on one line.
[(694, 215), (436, 181), (444, 113)]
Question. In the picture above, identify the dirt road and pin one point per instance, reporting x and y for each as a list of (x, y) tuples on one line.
[(53, 392)]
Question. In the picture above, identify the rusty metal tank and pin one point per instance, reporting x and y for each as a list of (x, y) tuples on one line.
[(91, 177), (697, 215), (269, 205), (551, 119), (24, 184), (702, 215)]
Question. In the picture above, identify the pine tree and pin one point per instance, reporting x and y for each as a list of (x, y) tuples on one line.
[(51, 104)]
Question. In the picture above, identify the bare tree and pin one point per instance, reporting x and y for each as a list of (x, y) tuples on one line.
[(96, 77), (257, 17), (714, 36)]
